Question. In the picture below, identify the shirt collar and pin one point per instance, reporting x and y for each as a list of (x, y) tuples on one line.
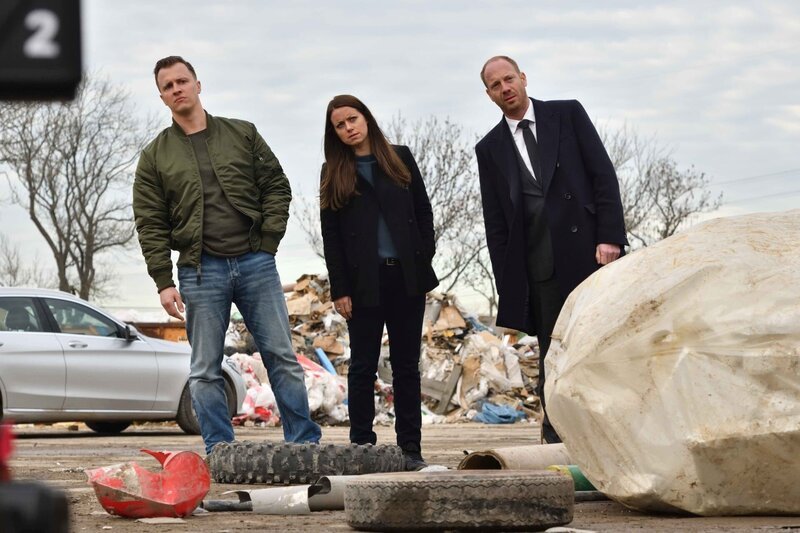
[(512, 123)]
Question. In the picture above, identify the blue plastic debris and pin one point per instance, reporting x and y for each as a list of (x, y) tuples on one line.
[(324, 361), (498, 414)]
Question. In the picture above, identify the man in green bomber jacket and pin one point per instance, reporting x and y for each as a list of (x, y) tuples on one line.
[(210, 188)]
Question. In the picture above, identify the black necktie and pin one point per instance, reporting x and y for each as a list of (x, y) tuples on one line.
[(533, 148)]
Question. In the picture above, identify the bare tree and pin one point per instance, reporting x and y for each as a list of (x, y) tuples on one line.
[(657, 198), (480, 278), (678, 195), (306, 212), (632, 157), (445, 157), (15, 272), (70, 166)]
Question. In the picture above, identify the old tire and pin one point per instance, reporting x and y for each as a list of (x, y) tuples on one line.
[(187, 418), (485, 500), (289, 463)]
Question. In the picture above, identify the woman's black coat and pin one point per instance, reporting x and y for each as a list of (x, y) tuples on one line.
[(350, 236)]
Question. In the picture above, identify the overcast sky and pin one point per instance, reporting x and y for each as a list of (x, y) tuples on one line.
[(715, 82)]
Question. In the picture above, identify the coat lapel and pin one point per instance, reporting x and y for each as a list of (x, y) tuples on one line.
[(506, 159), (386, 194), (547, 132)]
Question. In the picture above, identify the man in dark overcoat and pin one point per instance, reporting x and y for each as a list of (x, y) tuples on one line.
[(551, 205)]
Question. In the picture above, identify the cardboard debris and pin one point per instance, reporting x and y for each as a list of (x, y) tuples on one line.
[(300, 305), (449, 318), (329, 344)]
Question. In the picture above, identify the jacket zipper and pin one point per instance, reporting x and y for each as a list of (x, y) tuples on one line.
[(202, 207)]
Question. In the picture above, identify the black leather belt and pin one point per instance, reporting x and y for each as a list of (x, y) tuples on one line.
[(390, 261)]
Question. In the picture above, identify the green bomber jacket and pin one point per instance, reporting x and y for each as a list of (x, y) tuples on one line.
[(168, 193)]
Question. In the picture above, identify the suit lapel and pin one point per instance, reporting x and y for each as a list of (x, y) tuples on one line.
[(506, 159), (547, 132)]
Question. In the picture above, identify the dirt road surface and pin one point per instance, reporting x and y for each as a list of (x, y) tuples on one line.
[(57, 455)]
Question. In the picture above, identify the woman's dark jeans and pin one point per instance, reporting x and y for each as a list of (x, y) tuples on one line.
[(402, 315)]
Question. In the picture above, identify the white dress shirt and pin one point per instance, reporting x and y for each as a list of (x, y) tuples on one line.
[(516, 132)]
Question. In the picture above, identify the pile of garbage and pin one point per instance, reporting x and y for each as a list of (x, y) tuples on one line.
[(469, 372)]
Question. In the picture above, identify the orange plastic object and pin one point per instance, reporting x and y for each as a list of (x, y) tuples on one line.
[(127, 489)]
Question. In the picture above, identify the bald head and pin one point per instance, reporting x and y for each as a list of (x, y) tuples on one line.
[(506, 86), (492, 60)]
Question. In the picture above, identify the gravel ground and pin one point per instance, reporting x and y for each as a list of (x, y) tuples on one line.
[(57, 455)]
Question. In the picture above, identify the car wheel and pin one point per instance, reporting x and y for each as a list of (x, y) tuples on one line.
[(108, 428), (290, 463), (485, 500), (187, 418)]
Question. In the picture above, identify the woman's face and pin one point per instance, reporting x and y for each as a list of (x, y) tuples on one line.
[(351, 127)]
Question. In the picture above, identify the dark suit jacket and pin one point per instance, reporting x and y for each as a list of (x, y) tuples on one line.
[(350, 236), (582, 203)]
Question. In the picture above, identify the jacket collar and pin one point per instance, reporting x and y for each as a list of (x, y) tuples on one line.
[(210, 125)]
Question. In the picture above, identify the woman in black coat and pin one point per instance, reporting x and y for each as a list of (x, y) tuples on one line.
[(377, 233)]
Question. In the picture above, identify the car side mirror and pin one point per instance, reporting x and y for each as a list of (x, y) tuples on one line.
[(130, 333)]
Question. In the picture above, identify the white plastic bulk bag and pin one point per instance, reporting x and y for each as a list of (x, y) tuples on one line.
[(674, 373)]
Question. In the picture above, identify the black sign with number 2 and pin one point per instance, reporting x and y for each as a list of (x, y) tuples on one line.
[(40, 49)]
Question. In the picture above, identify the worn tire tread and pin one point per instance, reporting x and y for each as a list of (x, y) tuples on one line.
[(515, 501), (249, 462)]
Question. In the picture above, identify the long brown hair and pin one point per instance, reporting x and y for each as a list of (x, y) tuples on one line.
[(338, 183)]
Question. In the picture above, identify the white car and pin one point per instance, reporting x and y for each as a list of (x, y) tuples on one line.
[(63, 359)]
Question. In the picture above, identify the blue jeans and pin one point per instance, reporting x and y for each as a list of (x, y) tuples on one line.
[(251, 282)]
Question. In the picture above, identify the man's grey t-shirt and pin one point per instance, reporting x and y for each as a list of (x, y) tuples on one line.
[(226, 231)]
